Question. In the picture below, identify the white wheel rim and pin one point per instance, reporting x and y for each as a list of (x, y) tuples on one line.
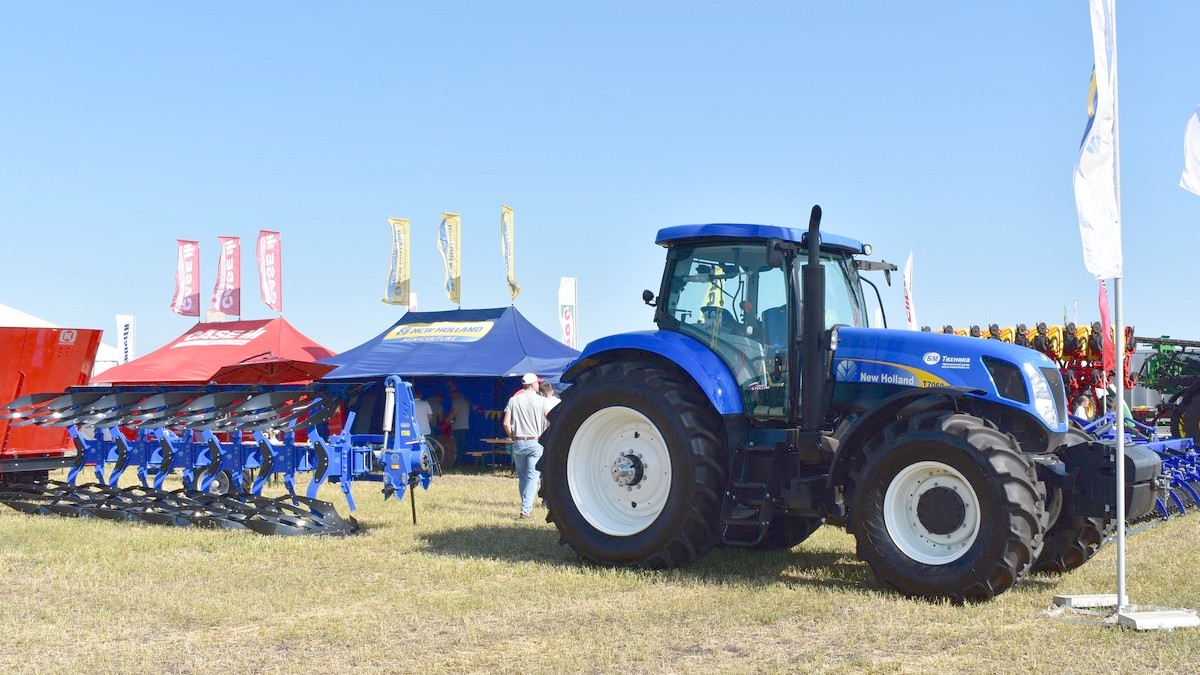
[(619, 471), (905, 527)]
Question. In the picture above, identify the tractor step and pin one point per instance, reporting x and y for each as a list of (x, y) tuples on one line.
[(747, 507)]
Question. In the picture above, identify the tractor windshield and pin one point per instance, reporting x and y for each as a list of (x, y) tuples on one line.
[(731, 299)]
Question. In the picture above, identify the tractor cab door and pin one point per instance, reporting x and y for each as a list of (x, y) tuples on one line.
[(729, 298)]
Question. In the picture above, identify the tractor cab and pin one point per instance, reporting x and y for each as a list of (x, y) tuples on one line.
[(735, 289)]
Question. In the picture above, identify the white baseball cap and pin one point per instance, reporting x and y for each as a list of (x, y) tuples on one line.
[(529, 378)]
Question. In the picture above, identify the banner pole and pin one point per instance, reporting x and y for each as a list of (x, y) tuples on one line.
[(1118, 288), (1119, 411)]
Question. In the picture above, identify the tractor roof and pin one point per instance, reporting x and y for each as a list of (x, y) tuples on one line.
[(678, 233)]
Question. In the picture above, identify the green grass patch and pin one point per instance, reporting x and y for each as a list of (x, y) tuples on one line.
[(471, 589)]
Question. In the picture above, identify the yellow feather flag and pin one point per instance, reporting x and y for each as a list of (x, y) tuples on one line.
[(506, 247), (398, 276), (449, 245)]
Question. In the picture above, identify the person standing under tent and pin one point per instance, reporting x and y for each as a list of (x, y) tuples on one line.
[(423, 412), (547, 391), (439, 411), (459, 419), (524, 422)]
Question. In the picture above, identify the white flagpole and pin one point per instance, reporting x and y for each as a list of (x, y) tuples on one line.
[(1122, 598), (1098, 199), (1119, 403)]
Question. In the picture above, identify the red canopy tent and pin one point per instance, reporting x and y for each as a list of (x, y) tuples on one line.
[(196, 356)]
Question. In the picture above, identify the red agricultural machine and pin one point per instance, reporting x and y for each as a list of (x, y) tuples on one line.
[(33, 360)]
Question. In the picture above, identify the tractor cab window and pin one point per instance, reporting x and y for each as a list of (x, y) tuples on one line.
[(731, 300), (843, 297)]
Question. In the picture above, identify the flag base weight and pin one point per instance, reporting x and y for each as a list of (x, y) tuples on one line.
[(1086, 601), (1138, 619), (1164, 619)]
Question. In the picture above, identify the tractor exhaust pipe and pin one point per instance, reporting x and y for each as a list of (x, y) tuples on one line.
[(812, 386)]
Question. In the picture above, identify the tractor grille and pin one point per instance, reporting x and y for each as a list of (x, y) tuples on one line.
[(1054, 377)]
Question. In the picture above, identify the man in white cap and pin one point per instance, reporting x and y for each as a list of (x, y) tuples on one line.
[(524, 420)]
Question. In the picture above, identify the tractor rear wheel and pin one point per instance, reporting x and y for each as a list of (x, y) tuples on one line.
[(944, 505), (1070, 541), (634, 467)]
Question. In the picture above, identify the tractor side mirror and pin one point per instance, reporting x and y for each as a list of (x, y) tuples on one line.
[(882, 266), (648, 298)]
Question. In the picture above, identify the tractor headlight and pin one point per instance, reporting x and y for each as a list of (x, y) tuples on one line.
[(1043, 397)]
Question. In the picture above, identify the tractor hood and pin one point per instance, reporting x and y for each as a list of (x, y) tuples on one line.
[(889, 360)]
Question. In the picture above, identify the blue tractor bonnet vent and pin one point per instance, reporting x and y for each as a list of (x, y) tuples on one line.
[(1009, 382), (670, 235)]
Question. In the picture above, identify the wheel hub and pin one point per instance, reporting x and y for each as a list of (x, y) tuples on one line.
[(628, 470), (941, 510), (931, 512), (619, 471)]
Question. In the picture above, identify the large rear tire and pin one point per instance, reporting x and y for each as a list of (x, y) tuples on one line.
[(1070, 541), (634, 467), (943, 505), (1185, 422)]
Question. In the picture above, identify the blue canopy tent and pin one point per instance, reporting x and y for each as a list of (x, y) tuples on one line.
[(484, 352)]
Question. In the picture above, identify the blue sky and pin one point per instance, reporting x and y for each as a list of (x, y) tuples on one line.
[(947, 129)]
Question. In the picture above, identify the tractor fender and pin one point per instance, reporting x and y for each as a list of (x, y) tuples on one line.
[(711, 375), (852, 437)]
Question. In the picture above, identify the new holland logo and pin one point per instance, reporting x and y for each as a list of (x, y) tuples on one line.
[(847, 371), (932, 358), (440, 331)]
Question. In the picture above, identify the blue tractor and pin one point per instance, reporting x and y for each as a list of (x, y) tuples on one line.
[(764, 406)]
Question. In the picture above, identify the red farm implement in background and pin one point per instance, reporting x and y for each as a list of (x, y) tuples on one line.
[(37, 360)]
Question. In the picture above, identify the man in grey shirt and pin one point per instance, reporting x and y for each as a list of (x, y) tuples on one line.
[(459, 418), (524, 421)]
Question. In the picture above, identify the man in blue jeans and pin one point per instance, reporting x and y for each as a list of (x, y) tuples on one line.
[(524, 421)]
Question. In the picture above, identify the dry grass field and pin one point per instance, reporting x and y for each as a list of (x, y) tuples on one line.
[(470, 589)]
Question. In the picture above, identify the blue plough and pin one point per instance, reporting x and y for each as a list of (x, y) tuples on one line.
[(228, 442)]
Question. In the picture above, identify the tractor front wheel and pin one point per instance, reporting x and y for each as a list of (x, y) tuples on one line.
[(944, 505), (1071, 542), (634, 467)]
